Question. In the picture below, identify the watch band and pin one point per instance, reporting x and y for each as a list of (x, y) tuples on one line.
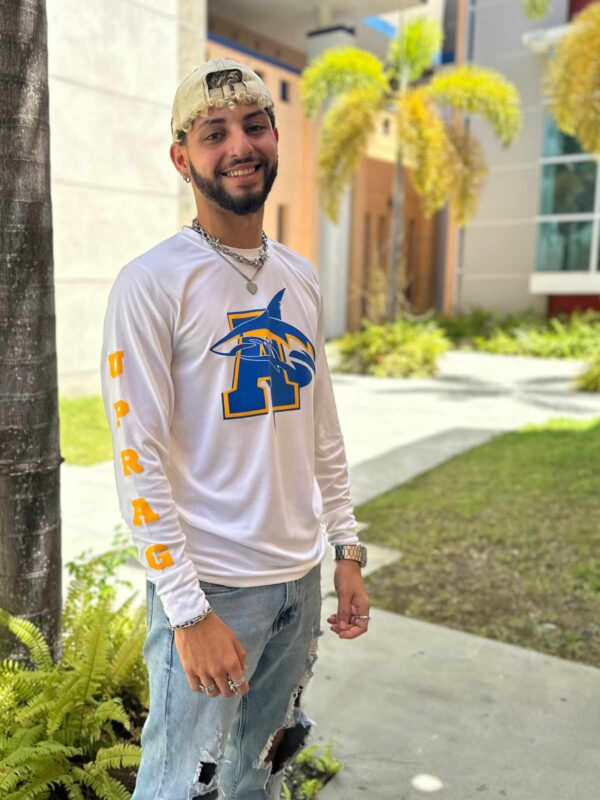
[(355, 552)]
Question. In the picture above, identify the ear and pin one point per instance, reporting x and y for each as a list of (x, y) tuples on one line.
[(178, 156), (276, 134)]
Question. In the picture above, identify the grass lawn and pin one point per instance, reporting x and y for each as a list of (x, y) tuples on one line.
[(502, 541), (84, 432)]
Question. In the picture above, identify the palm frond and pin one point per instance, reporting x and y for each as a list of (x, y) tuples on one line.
[(475, 90), (347, 126), (572, 80), (339, 70), (470, 172), (413, 50), (424, 149)]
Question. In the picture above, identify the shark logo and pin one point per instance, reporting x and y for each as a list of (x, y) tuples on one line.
[(273, 361)]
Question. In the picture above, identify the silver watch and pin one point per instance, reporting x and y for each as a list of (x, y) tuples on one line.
[(355, 552)]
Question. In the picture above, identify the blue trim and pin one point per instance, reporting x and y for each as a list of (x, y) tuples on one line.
[(213, 37), (380, 25)]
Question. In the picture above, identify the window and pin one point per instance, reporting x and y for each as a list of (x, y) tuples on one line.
[(569, 214), (284, 91)]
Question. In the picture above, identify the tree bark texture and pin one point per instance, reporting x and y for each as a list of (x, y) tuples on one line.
[(30, 527)]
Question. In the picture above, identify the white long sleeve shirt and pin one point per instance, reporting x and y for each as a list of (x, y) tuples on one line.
[(229, 459)]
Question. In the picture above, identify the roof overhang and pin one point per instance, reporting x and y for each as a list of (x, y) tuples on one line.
[(290, 21)]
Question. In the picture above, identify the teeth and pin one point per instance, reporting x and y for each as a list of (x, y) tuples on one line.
[(241, 172)]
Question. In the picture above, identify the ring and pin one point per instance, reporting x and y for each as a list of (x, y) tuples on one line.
[(233, 685), (206, 689), (360, 616)]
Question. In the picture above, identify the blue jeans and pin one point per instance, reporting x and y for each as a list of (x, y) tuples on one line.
[(215, 748)]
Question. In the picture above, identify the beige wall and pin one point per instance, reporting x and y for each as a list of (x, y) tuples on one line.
[(498, 250), (295, 187)]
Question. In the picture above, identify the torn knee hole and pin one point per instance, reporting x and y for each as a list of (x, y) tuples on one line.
[(288, 740), (206, 773), (205, 785)]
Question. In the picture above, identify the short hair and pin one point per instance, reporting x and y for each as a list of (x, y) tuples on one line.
[(181, 135)]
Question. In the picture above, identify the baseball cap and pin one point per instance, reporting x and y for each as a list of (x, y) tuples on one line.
[(215, 84)]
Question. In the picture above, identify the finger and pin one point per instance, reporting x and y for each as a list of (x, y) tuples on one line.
[(223, 684), (206, 681), (241, 652), (352, 632), (344, 611), (237, 676)]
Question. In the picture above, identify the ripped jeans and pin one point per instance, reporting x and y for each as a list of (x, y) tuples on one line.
[(216, 748)]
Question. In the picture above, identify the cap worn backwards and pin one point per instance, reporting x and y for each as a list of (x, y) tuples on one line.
[(215, 84)]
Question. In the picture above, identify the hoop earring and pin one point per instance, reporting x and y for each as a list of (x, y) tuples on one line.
[(186, 178)]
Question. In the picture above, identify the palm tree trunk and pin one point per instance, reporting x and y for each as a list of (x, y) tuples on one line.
[(397, 235), (30, 560)]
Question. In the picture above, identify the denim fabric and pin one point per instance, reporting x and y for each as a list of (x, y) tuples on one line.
[(214, 748)]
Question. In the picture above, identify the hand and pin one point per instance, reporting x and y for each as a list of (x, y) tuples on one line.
[(352, 600), (209, 650)]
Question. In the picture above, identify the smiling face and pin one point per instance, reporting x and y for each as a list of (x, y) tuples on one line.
[(232, 157)]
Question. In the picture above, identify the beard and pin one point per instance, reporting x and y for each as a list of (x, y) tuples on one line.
[(247, 203)]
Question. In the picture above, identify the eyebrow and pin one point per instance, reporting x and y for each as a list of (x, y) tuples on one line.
[(222, 120)]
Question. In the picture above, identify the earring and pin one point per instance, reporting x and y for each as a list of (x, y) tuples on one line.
[(186, 178)]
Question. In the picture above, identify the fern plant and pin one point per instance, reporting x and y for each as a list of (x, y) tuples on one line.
[(67, 730)]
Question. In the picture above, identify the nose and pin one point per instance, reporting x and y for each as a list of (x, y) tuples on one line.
[(240, 145)]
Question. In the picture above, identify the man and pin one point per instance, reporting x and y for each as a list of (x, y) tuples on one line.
[(228, 457)]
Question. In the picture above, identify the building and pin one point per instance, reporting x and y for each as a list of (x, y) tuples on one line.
[(534, 241), (112, 75), (113, 71)]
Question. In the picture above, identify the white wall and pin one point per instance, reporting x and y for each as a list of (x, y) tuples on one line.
[(113, 66)]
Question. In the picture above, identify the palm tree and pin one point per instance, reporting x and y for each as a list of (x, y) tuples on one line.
[(445, 161), (572, 80), (30, 571)]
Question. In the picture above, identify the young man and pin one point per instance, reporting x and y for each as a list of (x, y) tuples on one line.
[(228, 457)]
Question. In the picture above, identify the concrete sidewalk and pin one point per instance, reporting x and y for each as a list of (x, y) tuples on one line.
[(419, 709)]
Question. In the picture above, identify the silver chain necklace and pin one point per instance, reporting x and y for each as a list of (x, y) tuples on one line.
[(221, 249)]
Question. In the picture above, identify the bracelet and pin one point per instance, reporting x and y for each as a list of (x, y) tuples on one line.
[(192, 621)]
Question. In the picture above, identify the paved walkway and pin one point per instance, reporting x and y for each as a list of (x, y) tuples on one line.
[(418, 709)]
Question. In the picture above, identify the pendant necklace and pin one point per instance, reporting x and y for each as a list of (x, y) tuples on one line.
[(221, 249)]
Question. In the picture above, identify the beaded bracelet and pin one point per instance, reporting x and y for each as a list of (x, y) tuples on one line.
[(191, 621)]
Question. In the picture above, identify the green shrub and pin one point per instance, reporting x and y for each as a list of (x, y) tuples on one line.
[(577, 337), (562, 336), (399, 349), (462, 329), (68, 729), (589, 379)]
